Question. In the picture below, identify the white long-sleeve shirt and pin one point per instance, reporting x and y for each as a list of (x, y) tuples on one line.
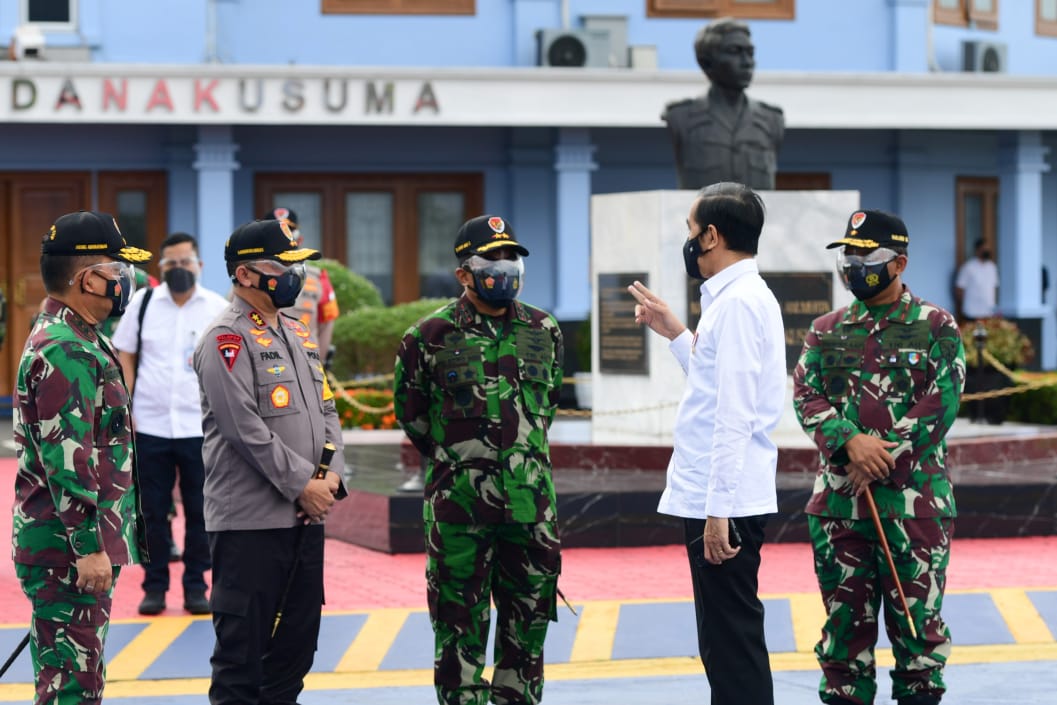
[(724, 462), (165, 397)]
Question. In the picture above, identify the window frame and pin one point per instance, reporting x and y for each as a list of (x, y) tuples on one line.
[(967, 13), (774, 10), (405, 188), (23, 13), (1043, 27), (399, 7), (987, 188)]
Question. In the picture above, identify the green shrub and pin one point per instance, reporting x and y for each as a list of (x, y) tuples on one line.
[(352, 290), (1037, 406), (366, 340)]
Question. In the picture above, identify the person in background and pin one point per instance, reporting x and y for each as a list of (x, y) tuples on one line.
[(976, 288), (75, 519), (156, 339), (721, 478), (877, 388), (475, 390), (317, 305)]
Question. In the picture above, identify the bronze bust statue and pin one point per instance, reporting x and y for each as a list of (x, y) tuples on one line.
[(724, 135)]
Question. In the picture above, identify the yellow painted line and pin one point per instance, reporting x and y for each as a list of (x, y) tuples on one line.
[(594, 670), (142, 651), (808, 615), (373, 641), (1024, 621), (595, 632)]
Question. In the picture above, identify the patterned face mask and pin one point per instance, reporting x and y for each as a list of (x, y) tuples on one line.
[(497, 282), (120, 284), (867, 275)]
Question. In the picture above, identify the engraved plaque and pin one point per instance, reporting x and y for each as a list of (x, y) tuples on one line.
[(621, 341)]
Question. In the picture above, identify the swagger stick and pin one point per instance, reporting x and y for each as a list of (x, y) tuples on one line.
[(321, 471), (888, 557), (14, 654)]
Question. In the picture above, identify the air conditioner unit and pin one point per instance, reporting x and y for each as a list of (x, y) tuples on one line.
[(984, 57), (576, 48)]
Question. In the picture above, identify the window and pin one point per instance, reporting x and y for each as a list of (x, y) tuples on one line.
[(976, 216), (1046, 17), (983, 14), (396, 230), (399, 7), (51, 13), (745, 9)]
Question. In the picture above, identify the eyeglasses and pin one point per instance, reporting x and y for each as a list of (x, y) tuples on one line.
[(882, 255), (183, 263)]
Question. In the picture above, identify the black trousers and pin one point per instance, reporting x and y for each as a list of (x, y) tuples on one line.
[(730, 634), (158, 460), (250, 572)]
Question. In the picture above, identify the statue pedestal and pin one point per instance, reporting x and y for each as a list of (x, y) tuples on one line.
[(637, 384)]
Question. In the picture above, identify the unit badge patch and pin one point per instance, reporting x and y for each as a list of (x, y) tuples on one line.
[(229, 345)]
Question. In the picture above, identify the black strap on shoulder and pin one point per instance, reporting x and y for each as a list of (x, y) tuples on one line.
[(139, 328)]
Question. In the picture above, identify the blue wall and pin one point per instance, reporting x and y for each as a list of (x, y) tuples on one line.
[(826, 35)]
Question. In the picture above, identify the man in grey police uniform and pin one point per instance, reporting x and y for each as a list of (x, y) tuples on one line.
[(266, 413)]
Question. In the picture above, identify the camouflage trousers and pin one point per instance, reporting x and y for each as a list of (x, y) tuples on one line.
[(855, 581), (67, 633), (467, 566)]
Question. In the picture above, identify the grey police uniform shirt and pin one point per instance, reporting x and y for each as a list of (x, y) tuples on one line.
[(264, 419), (713, 145)]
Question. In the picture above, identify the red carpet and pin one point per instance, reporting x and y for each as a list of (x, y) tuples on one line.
[(357, 578)]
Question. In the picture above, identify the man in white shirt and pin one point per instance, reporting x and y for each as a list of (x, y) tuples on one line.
[(721, 478), (976, 288), (159, 372)]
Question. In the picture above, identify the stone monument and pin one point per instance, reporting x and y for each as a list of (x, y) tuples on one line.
[(724, 135), (636, 382)]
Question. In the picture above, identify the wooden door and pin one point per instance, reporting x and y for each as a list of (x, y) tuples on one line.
[(31, 201)]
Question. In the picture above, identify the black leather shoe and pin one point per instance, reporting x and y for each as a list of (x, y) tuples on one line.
[(153, 603), (196, 603)]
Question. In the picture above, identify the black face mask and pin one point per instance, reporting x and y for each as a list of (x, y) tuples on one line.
[(179, 279), (691, 251), (283, 289), (868, 280), (119, 291)]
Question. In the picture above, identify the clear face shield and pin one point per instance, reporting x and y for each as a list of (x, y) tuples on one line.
[(865, 275), (120, 283), (282, 282)]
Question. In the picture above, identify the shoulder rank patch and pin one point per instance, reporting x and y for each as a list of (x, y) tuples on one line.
[(258, 319), (229, 345), (280, 397)]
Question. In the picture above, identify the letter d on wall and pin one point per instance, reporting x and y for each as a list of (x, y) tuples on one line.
[(23, 94)]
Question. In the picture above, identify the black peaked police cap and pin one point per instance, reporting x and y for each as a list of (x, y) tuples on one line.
[(266, 239), (873, 229), (90, 233)]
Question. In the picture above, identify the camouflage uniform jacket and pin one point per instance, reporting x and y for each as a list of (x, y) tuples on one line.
[(76, 491), (476, 396), (898, 377)]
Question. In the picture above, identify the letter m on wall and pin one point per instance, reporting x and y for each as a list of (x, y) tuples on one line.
[(376, 103)]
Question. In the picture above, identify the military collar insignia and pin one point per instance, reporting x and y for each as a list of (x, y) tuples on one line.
[(258, 319)]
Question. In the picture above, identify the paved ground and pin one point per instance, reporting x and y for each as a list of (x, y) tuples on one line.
[(631, 644)]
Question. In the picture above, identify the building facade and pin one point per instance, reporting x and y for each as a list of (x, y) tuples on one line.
[(386, 123)]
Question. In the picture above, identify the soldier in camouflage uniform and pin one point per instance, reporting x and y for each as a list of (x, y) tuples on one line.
[(877, 388), (76, 519), (476, 387)]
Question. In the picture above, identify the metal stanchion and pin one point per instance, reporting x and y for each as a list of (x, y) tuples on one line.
[(980, 339)]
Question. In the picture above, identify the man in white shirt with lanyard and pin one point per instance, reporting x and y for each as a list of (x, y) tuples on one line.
[(721, 478), (159, 372)]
